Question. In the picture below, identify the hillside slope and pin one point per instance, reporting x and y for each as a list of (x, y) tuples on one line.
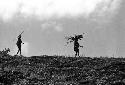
[(61, 70)]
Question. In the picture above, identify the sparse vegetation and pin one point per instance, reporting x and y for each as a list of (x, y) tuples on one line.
[(60, 70)]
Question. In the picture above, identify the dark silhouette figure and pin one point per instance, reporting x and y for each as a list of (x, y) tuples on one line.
[(76, 43), (19, 42)]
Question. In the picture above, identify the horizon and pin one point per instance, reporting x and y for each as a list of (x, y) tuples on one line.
[(46, 23)]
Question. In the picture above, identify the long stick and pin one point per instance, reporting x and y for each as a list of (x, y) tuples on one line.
[(21, 33)]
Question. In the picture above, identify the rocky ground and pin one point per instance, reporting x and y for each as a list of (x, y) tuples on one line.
[(61, 70)]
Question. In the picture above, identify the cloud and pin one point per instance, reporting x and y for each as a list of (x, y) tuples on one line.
[(109, 6), (58, 28), (24, 48), (45, 9), (52, 25)]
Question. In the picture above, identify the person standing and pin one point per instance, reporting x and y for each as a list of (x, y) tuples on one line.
[(19, 42)]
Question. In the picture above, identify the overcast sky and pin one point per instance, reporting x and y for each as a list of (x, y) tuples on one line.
[(47, 22)]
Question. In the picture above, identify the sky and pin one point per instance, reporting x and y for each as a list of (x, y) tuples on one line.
[(46, 23)]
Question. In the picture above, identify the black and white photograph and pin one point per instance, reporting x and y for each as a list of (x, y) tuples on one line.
[(62, 42)]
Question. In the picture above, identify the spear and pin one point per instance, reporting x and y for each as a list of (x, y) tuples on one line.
[(18, 35), (21, 33)]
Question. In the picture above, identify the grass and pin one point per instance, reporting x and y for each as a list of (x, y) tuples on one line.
[(61, 70)]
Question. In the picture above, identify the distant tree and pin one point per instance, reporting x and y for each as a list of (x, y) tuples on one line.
[(5, 51), (75, 40)]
